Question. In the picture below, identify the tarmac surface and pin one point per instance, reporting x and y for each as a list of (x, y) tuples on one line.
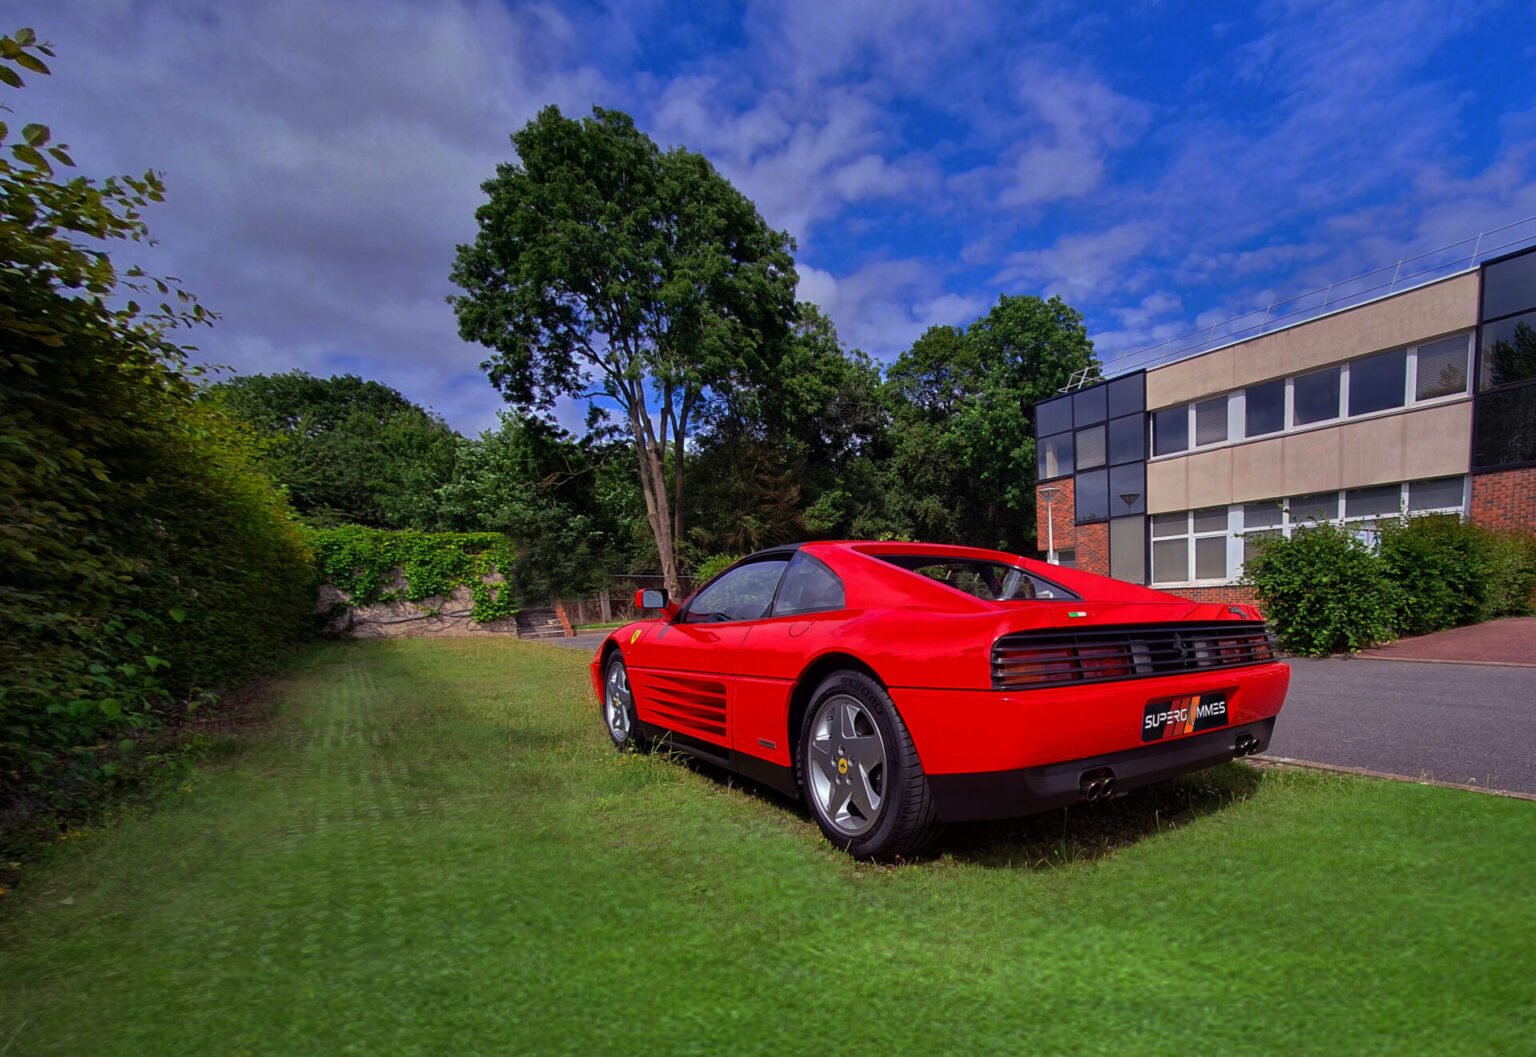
[(1459, 723)]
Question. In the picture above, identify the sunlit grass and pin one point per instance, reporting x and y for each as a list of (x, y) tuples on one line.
[(433, 851)]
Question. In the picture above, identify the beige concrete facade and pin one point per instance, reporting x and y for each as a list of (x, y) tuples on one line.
[(1419, 315), (1407, 445)]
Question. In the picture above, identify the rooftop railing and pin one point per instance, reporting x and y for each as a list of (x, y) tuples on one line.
[(1406, 274)]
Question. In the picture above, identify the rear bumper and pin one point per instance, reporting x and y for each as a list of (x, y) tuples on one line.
[(1008, 794)]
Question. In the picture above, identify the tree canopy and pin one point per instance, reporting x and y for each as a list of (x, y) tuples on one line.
[(607, 267), (963, 468), (348, 451)]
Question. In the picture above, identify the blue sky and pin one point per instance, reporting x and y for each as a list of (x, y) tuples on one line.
[(1162, 166)]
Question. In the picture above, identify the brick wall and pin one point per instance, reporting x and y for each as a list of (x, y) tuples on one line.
[(1063, 509), (1093, 548), (1505, 501), (1234, 593)]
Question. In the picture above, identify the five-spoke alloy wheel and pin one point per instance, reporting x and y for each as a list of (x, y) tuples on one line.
[(860, 772), (619, 705)]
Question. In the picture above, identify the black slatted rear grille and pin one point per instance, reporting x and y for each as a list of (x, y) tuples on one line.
[(1036, 660)]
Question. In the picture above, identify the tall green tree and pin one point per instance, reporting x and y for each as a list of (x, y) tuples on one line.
[(605, 267), (348, 451), (963, 468)]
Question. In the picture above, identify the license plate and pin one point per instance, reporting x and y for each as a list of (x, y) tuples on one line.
[(1175, 716)]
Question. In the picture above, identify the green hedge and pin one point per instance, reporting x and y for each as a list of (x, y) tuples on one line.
[(361, 562), (1326, 591), (145, 560)]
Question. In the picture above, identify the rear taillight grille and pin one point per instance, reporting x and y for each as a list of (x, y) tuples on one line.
[(1034, 660)]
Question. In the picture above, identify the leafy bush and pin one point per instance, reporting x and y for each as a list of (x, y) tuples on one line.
[(1444, 567), (144, 560), (1324, 591), (362, 563), (1511, 577)]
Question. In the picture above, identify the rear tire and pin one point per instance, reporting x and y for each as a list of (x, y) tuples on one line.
[(860, 773)]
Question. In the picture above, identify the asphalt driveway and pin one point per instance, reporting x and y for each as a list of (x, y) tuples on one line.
[(1460, 723)]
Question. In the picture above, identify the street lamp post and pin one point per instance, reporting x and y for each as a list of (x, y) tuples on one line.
[(1049, 492)]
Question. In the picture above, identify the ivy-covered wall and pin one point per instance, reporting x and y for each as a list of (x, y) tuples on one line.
[(368, 568)]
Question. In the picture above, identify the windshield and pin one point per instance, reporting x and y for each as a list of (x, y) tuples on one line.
[(990, 581)]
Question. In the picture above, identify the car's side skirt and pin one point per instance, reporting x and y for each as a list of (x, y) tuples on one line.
[(779, 779)]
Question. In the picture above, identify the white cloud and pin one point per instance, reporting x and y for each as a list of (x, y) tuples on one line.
[(884, 306), (1078, 120), (321, 163)]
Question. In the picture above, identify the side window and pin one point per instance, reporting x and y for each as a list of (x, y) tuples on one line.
[(743, 593), (809, 587)]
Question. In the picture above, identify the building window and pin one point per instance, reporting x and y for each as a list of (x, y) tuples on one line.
[(1441, 495), (1316, 396), (1265, 408), (1191, 539), (1378, 382), (1506, 428), (1509, 351), (1170, 430), (1128, 489), (1312, 509), (1127, 439), (1090, 448), (1053, 416), (1211, 421), (1261, 521), (1067, 558), (1055, 456), (1441, 369), (1509, 286), (1091, 493), (1088, 405)]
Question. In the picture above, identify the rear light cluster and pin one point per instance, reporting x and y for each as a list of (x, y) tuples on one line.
[(1034, 660)]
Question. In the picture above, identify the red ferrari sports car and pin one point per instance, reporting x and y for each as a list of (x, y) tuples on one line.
[(900, 685)]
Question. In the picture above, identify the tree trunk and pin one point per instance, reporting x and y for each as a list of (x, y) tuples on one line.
[(653, 484)]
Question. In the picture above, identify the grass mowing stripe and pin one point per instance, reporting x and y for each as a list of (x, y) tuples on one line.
[(434, 851)]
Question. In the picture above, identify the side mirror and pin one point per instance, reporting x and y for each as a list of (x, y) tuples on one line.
[(652, 598)]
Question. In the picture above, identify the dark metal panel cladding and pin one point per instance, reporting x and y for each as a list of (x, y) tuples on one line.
[(1038, 660)]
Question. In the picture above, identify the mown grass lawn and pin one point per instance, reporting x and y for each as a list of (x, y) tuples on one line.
[(433, 851)]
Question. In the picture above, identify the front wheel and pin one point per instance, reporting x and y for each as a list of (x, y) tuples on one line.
[(860, 772), (619, 705)]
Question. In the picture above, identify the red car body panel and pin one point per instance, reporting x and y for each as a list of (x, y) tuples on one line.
[(729, 687)]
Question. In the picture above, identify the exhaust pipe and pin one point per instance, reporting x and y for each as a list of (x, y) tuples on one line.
[(1247, 745), (1097, 784)]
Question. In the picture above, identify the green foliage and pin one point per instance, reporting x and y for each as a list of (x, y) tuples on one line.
[(347, 451), (363, 564), (962, 468), (145, 559), (1324, 591), (572, 507), (603, 263), (1453, 572)]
